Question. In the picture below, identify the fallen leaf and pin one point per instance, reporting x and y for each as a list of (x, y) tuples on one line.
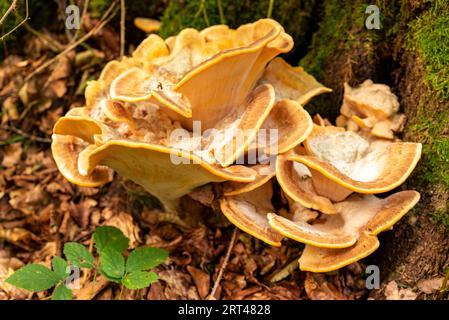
[(12, 154), (318, 288), (125, 222), (393, 292), (201, 280), (430, 285)]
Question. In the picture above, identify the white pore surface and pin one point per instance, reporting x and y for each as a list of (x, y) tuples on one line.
[(301, 170), (250, 211), (350, 154), (357, 210)]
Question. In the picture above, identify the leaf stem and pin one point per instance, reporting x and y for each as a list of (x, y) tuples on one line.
[(122, 27), (121, 292), (206, 18), (225, 263), (220, 11)]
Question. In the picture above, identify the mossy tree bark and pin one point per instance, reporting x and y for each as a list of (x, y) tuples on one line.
[(410, 52)]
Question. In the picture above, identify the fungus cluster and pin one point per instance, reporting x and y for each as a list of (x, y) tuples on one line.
[(187, 111)]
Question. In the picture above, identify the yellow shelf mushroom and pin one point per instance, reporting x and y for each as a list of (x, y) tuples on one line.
[(218, 106)]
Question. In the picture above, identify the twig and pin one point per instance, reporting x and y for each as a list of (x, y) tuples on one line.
[(206, 18), (443, 288), (225, 263), (220, 11), (202, 9), (27, 135), (17, 26), (83, 16), (11, 8), (54, 45), (91, 32), (270, 9), (122, 27)]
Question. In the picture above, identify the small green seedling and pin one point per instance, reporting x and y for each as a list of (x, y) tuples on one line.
[(110, 243)]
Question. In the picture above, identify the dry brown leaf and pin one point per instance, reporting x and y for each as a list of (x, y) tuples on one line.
[(11, 291), (201, 280), (318, 288), (26, 200), (12, 154), (89, 290), (430, 285), (178, 285), (131, 230), (393, 292)]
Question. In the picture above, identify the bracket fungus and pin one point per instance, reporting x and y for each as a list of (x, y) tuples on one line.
[(218, 106), (372, 108)]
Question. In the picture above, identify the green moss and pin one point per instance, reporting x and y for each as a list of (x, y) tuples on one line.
[(430, 126), (343, 49), (141, 8), (325, 42), (430, 37), (429, 40), (442, 217), (435, 163), (341, 27), (294, 15)]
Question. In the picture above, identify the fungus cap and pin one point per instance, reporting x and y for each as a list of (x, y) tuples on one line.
[(349, 236), (152, 166), (370, 99), (248, 211), (292, 82), (147, 25), (238, 68), (295, 180), (292, 125), (356, 163)]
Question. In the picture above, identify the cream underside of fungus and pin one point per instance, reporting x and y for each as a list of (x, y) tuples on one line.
[(351, 154), (185, 111)]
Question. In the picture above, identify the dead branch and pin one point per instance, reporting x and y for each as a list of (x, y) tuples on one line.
[(223, 266), (83, 16), (122, 27), (10, 9), (17, 26), (27, 135), (103, 21)]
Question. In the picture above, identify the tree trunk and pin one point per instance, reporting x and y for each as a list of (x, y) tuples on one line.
[(410, 53)]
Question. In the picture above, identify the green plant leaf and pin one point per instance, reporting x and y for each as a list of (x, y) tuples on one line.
[(110, 237), (78, 255), (112, 264), (139, 279), (143, 259), (33, 277), (61, 292), (60, 267)]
